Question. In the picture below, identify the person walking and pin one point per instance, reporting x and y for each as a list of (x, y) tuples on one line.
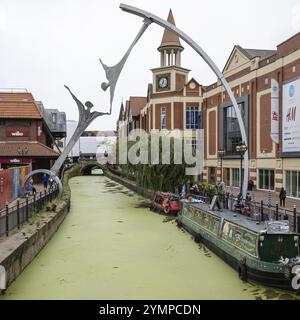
[(282, 196), (31, 187), (45, 180)]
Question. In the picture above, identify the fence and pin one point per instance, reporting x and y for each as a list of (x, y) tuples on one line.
[(13, 216), (264, 212)]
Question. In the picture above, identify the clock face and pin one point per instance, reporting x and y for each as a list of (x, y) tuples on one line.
[(163, 82)]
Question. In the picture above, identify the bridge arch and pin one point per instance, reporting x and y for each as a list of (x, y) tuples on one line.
[(88, 166)]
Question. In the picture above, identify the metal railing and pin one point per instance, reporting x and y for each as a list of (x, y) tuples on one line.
[(13, 216), (263, 212)]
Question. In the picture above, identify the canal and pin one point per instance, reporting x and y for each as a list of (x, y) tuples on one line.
[(111, 247)]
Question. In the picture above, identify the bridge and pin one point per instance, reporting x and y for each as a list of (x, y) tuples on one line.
[(87, 165)]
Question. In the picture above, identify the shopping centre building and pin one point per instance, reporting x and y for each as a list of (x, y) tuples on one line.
[(266, 85)]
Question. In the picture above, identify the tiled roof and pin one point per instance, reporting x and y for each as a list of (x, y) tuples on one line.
[(170, 39), (35, 149), (136, 104), (253, 53), (18, 105)]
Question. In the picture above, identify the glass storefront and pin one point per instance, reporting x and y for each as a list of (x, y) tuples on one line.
[(232, 133), (232, 177), (292, 183), (266, 179)]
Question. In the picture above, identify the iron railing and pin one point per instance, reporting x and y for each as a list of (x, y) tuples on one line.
[(13, 216)]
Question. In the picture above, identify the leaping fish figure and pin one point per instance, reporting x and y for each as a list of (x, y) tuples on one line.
[(113, 73)]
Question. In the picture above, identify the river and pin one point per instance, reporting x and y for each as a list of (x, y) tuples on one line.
[(111, 247)]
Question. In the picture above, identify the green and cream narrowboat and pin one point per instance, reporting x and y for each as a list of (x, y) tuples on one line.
[(264, 252)]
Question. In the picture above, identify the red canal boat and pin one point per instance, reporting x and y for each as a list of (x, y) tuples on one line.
[(165, 202)]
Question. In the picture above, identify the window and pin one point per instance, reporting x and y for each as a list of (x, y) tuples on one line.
[(235, 177), (192, 118), (163, 118), (232, 177), (54, 118), (232, 134), (266, 179), (292, 183), (212, 175)]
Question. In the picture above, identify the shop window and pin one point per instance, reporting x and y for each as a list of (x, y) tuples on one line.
[(232, 177), (266, 179), (292, 183), (232, 133)]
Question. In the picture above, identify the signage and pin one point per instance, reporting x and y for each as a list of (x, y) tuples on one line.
[(291, 116), (17, 133), (275, 111), (15, 160)]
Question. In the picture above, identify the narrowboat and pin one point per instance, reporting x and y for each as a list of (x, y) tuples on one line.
[(262, 252)]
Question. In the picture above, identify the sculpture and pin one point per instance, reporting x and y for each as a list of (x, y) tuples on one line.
[(86, 117)]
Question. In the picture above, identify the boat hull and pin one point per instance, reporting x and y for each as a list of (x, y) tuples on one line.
[(267, 278)]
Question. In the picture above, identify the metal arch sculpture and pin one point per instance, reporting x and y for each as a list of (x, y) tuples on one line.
[(149, 17), (48, 172), (86, 117)]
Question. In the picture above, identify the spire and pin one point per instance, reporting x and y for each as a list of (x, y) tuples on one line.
[(170, 39)]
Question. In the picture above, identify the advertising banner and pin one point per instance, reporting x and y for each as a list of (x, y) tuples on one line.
[(16, 183), (275, 111), (291, 117), (19, 133)]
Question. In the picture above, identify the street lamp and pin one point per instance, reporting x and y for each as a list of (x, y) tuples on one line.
[(221, 154), (22, 151), (242, 148)]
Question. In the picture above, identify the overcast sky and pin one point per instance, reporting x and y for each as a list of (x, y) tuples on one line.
[(45, 44)]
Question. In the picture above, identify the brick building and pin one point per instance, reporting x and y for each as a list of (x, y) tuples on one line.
[(24, 134), (258, 78), (173, 101), (266, 84)]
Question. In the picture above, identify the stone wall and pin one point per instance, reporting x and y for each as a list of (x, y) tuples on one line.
[(128, 184), (19, 249)]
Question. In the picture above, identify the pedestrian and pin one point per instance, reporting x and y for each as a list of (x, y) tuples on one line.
[(282, 196), (248, 198), (45, 180), (31, 187), (250, 185)]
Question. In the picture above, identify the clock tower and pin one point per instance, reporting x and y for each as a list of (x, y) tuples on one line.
[(170, 76)]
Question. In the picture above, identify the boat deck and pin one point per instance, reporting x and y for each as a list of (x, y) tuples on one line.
[(234, 217)]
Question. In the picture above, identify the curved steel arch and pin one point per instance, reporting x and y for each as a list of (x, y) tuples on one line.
[(211, 64)]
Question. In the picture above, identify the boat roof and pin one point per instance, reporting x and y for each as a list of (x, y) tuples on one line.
[(236, 218)]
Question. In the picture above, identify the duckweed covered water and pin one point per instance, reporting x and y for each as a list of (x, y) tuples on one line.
[(111, 247)]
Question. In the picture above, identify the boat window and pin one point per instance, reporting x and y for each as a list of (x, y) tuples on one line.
[(240, 237), (203, 219)]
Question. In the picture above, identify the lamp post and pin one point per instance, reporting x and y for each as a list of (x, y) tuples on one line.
[(22, 151), (242, 148), (221, 154)]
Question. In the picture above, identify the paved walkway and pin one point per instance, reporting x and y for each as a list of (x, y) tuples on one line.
[(263, 195)]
